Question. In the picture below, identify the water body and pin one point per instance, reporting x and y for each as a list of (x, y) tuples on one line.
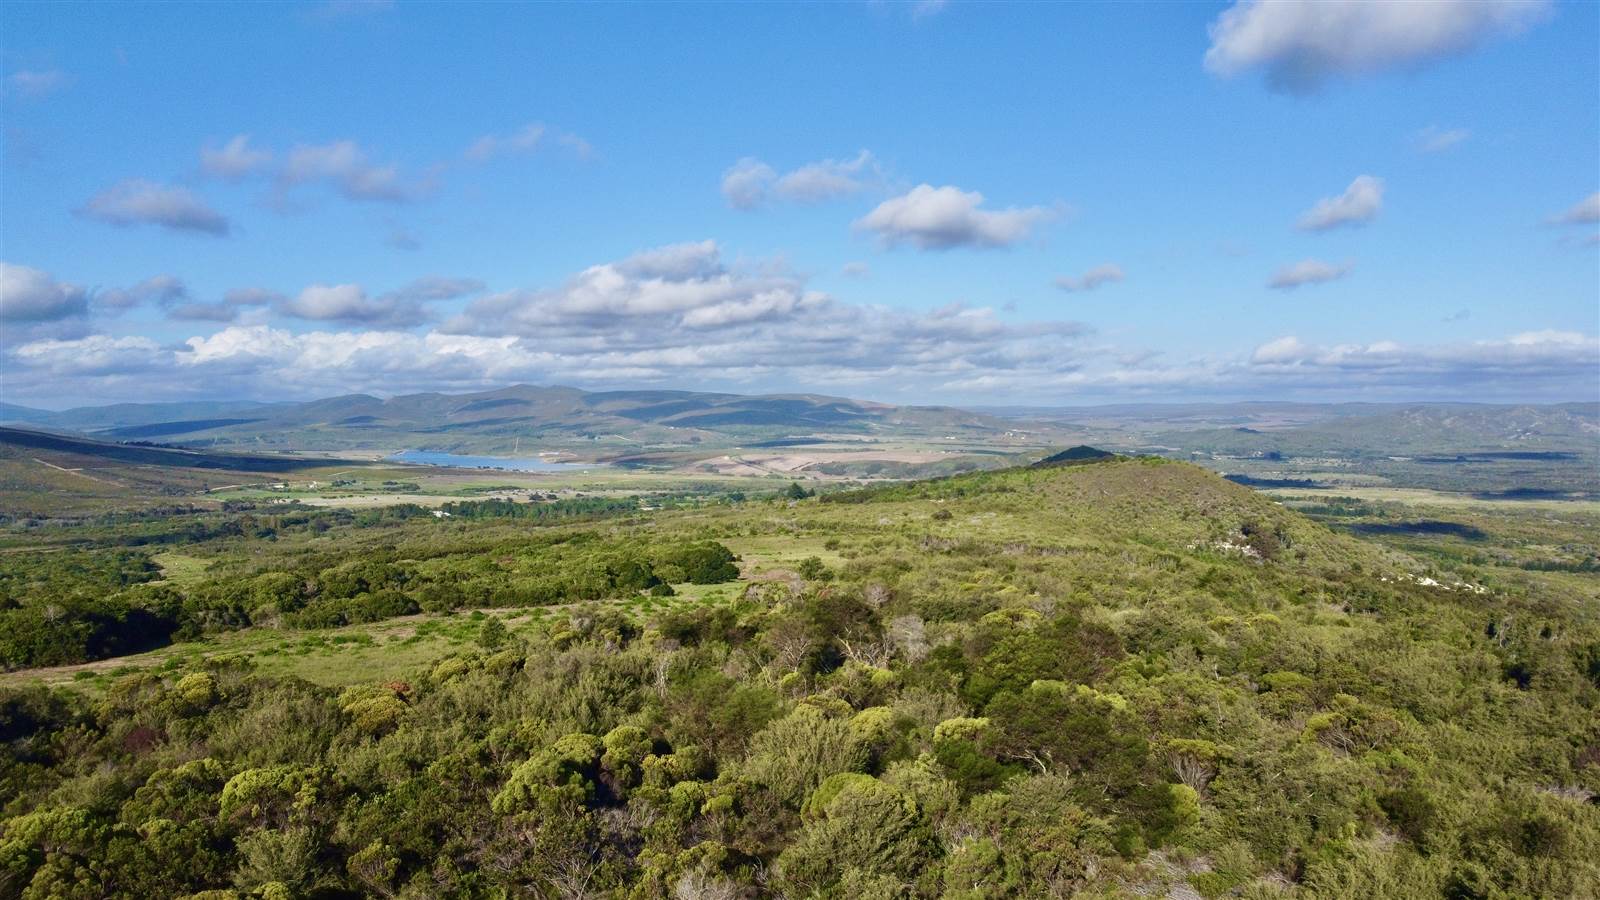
[(507, 463)]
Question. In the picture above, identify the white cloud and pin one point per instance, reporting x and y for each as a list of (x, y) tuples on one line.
[(749, 183), (1303, 43), (137, 201), (400, 308), (680, 311), (523, 140), (1358, 205), (30, 295), (31, 84), (95, 354), (348, 303), (344, 166), (745, 183), (940, 218), (827, 179), (164, 290), (1286, 349), (856, 269), (1584, 212), (922, 9), (1106, 273), (1529, 354), (681, 315), (1434, 139), (1307, 271), (234, 160)]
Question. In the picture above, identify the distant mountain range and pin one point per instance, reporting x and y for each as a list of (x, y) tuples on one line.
[(500, 420), (610, 424)]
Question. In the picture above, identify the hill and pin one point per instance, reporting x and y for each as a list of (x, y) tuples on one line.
[(501, 420), (1082, 453), (45, 475), (1126, 678)]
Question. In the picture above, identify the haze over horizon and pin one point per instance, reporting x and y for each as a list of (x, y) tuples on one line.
[(963, 204)]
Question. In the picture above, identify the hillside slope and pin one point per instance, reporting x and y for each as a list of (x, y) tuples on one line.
[(44, 475), (1128, 677), (498, 421)]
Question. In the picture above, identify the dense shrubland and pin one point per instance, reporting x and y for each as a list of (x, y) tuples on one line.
[(1096, 681), (300, 570)]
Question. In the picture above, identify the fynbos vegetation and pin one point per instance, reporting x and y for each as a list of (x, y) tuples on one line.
[(1102, 679)]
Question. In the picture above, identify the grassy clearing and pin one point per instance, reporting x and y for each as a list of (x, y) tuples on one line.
[(180, 568)]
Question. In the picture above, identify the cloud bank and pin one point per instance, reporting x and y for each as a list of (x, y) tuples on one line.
[(682, 315)]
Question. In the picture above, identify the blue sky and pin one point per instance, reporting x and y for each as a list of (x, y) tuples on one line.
[(282, 200)]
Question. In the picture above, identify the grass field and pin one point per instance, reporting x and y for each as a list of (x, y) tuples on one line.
[(1424, 497)]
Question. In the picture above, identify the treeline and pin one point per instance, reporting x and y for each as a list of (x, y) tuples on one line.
[(569, 509), (74, 606)]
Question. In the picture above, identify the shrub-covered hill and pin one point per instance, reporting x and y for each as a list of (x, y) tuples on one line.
[(1111, 679)]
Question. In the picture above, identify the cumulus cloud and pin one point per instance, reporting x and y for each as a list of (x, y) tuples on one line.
[(163, 290), (750, 183), (95, 354), (345, 167), (1307, 271), (827, 179), (1584, 212), (745, 183), (1434, 139), (31, 84), (350, 303), (234, 160), (1106, 273), (681, 311), (29, 295), (683, 315), (1303, 43), (137, 201), (403, 307), (1358, 205), (940, 218)]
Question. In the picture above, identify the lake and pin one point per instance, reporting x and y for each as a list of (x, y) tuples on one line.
[(508, 463)]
